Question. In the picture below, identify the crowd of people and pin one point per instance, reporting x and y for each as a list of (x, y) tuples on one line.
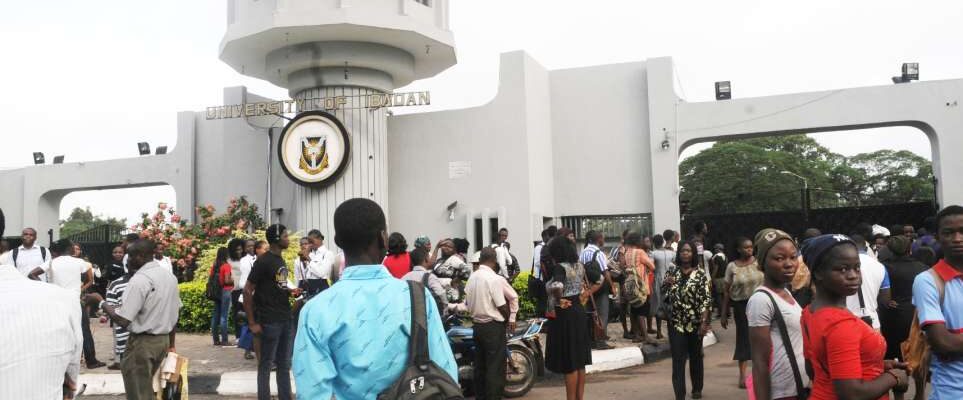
[(821, 316)]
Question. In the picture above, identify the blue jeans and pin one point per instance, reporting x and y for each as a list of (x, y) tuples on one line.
[(219, 316), (275, 347)]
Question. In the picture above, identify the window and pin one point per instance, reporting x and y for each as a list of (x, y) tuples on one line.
[(610, 225)]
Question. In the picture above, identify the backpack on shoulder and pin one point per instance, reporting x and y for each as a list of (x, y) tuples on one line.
[(916, 350), (43, 254), (213, 289), (422, 379)]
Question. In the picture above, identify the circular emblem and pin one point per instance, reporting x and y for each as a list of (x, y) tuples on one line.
[(314, 148)]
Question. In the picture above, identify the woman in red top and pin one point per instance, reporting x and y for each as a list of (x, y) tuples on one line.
[(844, 353), (398, 261), (221, 308)]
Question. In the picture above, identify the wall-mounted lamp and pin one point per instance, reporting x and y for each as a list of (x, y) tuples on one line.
[(911, 72), (665, 144), (143, 148), (723, 90), (38, 158), (160, 150), (58, 159), (451, 211)]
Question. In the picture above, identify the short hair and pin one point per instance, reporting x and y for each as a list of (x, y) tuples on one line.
[(273, 233), (30, 229), (863, 229), (315, 234), (633, 238), (592, 236), (949, 211), (562, 250), (811, 233), (304, 240), (700, 226), (658, 240), (545, 235), (503, 230), (695, 254), (132, 237), (358, 223), (418, 257), (397, 244), (234, 244), (552, 231), (668, 235), (461, 245), (61, 246), (142, 247), (259, 244), (487, 254)]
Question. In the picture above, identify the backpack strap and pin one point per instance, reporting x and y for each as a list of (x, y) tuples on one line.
[(43, 254), (940, 285), (16, 252), (418, 338), (784, 332)]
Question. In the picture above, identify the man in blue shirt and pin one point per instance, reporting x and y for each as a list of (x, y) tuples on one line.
[(352, 339)]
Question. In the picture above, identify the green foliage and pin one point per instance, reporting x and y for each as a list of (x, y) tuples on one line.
[(195, 315), (82, 219), (746, 175), (526, 304)]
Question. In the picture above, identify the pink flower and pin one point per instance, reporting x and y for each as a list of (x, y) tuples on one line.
[(175, 218), (162, 205)]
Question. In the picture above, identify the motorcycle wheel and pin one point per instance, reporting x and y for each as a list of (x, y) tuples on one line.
[(520, 372)]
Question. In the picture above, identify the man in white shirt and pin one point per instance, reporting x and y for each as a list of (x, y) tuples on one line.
[(319, 267), (163, 260), (35, 365), (30, 258), (485, 299), (75, 275), (875, 287), (502, 255)]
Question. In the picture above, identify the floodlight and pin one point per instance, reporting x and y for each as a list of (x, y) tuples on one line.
[(161, 150), (723, 90), (38, 158), (911, 71), (143, 148), (58, 159)]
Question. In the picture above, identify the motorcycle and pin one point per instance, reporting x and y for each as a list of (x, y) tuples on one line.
[(524, 358)]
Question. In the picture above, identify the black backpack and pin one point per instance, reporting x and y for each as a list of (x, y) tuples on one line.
[(213, 290), (422, 379), (593, 270), (43, 254)]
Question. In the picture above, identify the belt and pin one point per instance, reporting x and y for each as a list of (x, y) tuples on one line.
[(150, 334)]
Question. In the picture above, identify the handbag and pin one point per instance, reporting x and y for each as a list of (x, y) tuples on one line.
[(598, 332), (664, 312), (802, 392)]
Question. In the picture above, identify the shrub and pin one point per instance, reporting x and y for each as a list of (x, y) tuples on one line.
[(526, 303)]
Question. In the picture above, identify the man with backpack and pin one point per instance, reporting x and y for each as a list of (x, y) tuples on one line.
[(31, 259), (593, 258), (938, 297), (353, 339)]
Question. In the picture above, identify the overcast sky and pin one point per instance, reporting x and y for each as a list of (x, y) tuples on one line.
[(90, 80)]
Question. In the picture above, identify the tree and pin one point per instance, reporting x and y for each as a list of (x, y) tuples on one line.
[(82, 219), (737, 176)]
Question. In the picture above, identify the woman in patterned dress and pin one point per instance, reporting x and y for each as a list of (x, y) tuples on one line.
[(688, 290)]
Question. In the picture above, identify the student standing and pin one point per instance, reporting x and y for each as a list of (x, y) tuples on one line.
[(361, 349), (687, 288), (778, 366), (845, 353), (742, 277), (568, 343), (221, 271), (30, 258), (269, 314), (75, 275), (664, 259), (489, 310), (115, 296)]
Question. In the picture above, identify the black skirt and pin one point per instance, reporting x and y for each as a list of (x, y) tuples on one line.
[(568, 345), (742, 351), (643, 310)]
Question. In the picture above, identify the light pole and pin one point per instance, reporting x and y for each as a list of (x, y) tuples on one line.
[(805, 194)]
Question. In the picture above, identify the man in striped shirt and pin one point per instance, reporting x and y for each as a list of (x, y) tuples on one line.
[(115, 294)]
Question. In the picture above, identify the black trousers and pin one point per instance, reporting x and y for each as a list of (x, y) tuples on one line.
[(236, 307), (686, 346), (90, 354), (490, 359)]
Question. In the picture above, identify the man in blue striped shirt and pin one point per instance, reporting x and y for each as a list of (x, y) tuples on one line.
[(352, 339), (595, 240)]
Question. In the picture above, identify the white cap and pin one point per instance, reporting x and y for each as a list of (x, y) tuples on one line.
[(879, 230), (475, 257)]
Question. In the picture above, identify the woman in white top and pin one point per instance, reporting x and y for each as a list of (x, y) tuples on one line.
[(770, 308)]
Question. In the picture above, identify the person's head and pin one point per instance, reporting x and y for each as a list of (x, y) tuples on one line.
[(360, 230), (4, 246), (744, 248), (634, 239), (925, 255), (62, 247), (128, 239), (261, 247), (397, 244), (446, 247), (76, 251), (921, 231), (949, 231), (305, 245), (700, 228), (117, 254), (552, 231), (249, 246), (277, 236), (567, 234), (594, 237), (317, 239), (624, 232), (860, 241), (139, 252), (461, 245), (159, 251), (419, 258), (235, 249), (223, 254), (834, 263), (686, 254), (669, 236), (900, 245), (646, 243), (28, 236), (777, 256), (658, 241), (545, 236), (879, 241), (423, 242), (719, 248), (863, 229), (488, 258), (562, 249), (502, 236)]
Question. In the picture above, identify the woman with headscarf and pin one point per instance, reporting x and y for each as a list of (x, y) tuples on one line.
[(897, 316), (775, 336), (687, 289), (844, 352)]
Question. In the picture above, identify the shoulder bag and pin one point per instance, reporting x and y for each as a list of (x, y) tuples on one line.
[(802, 392)]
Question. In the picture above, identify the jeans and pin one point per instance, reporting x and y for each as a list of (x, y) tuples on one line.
[(275, 346), (90, 353), (489, 374), (219, 316), (685, 346)]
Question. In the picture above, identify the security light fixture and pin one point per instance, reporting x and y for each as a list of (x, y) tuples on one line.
[(451, 210), (665, 144), (38, 158), (911, 72), (723, 90), (58, 159), (143, 148), (160, 150)]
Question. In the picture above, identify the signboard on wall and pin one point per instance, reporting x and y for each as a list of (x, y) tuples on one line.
[(314, 149)]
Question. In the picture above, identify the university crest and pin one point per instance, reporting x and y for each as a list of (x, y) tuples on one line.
[(314, 155)]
